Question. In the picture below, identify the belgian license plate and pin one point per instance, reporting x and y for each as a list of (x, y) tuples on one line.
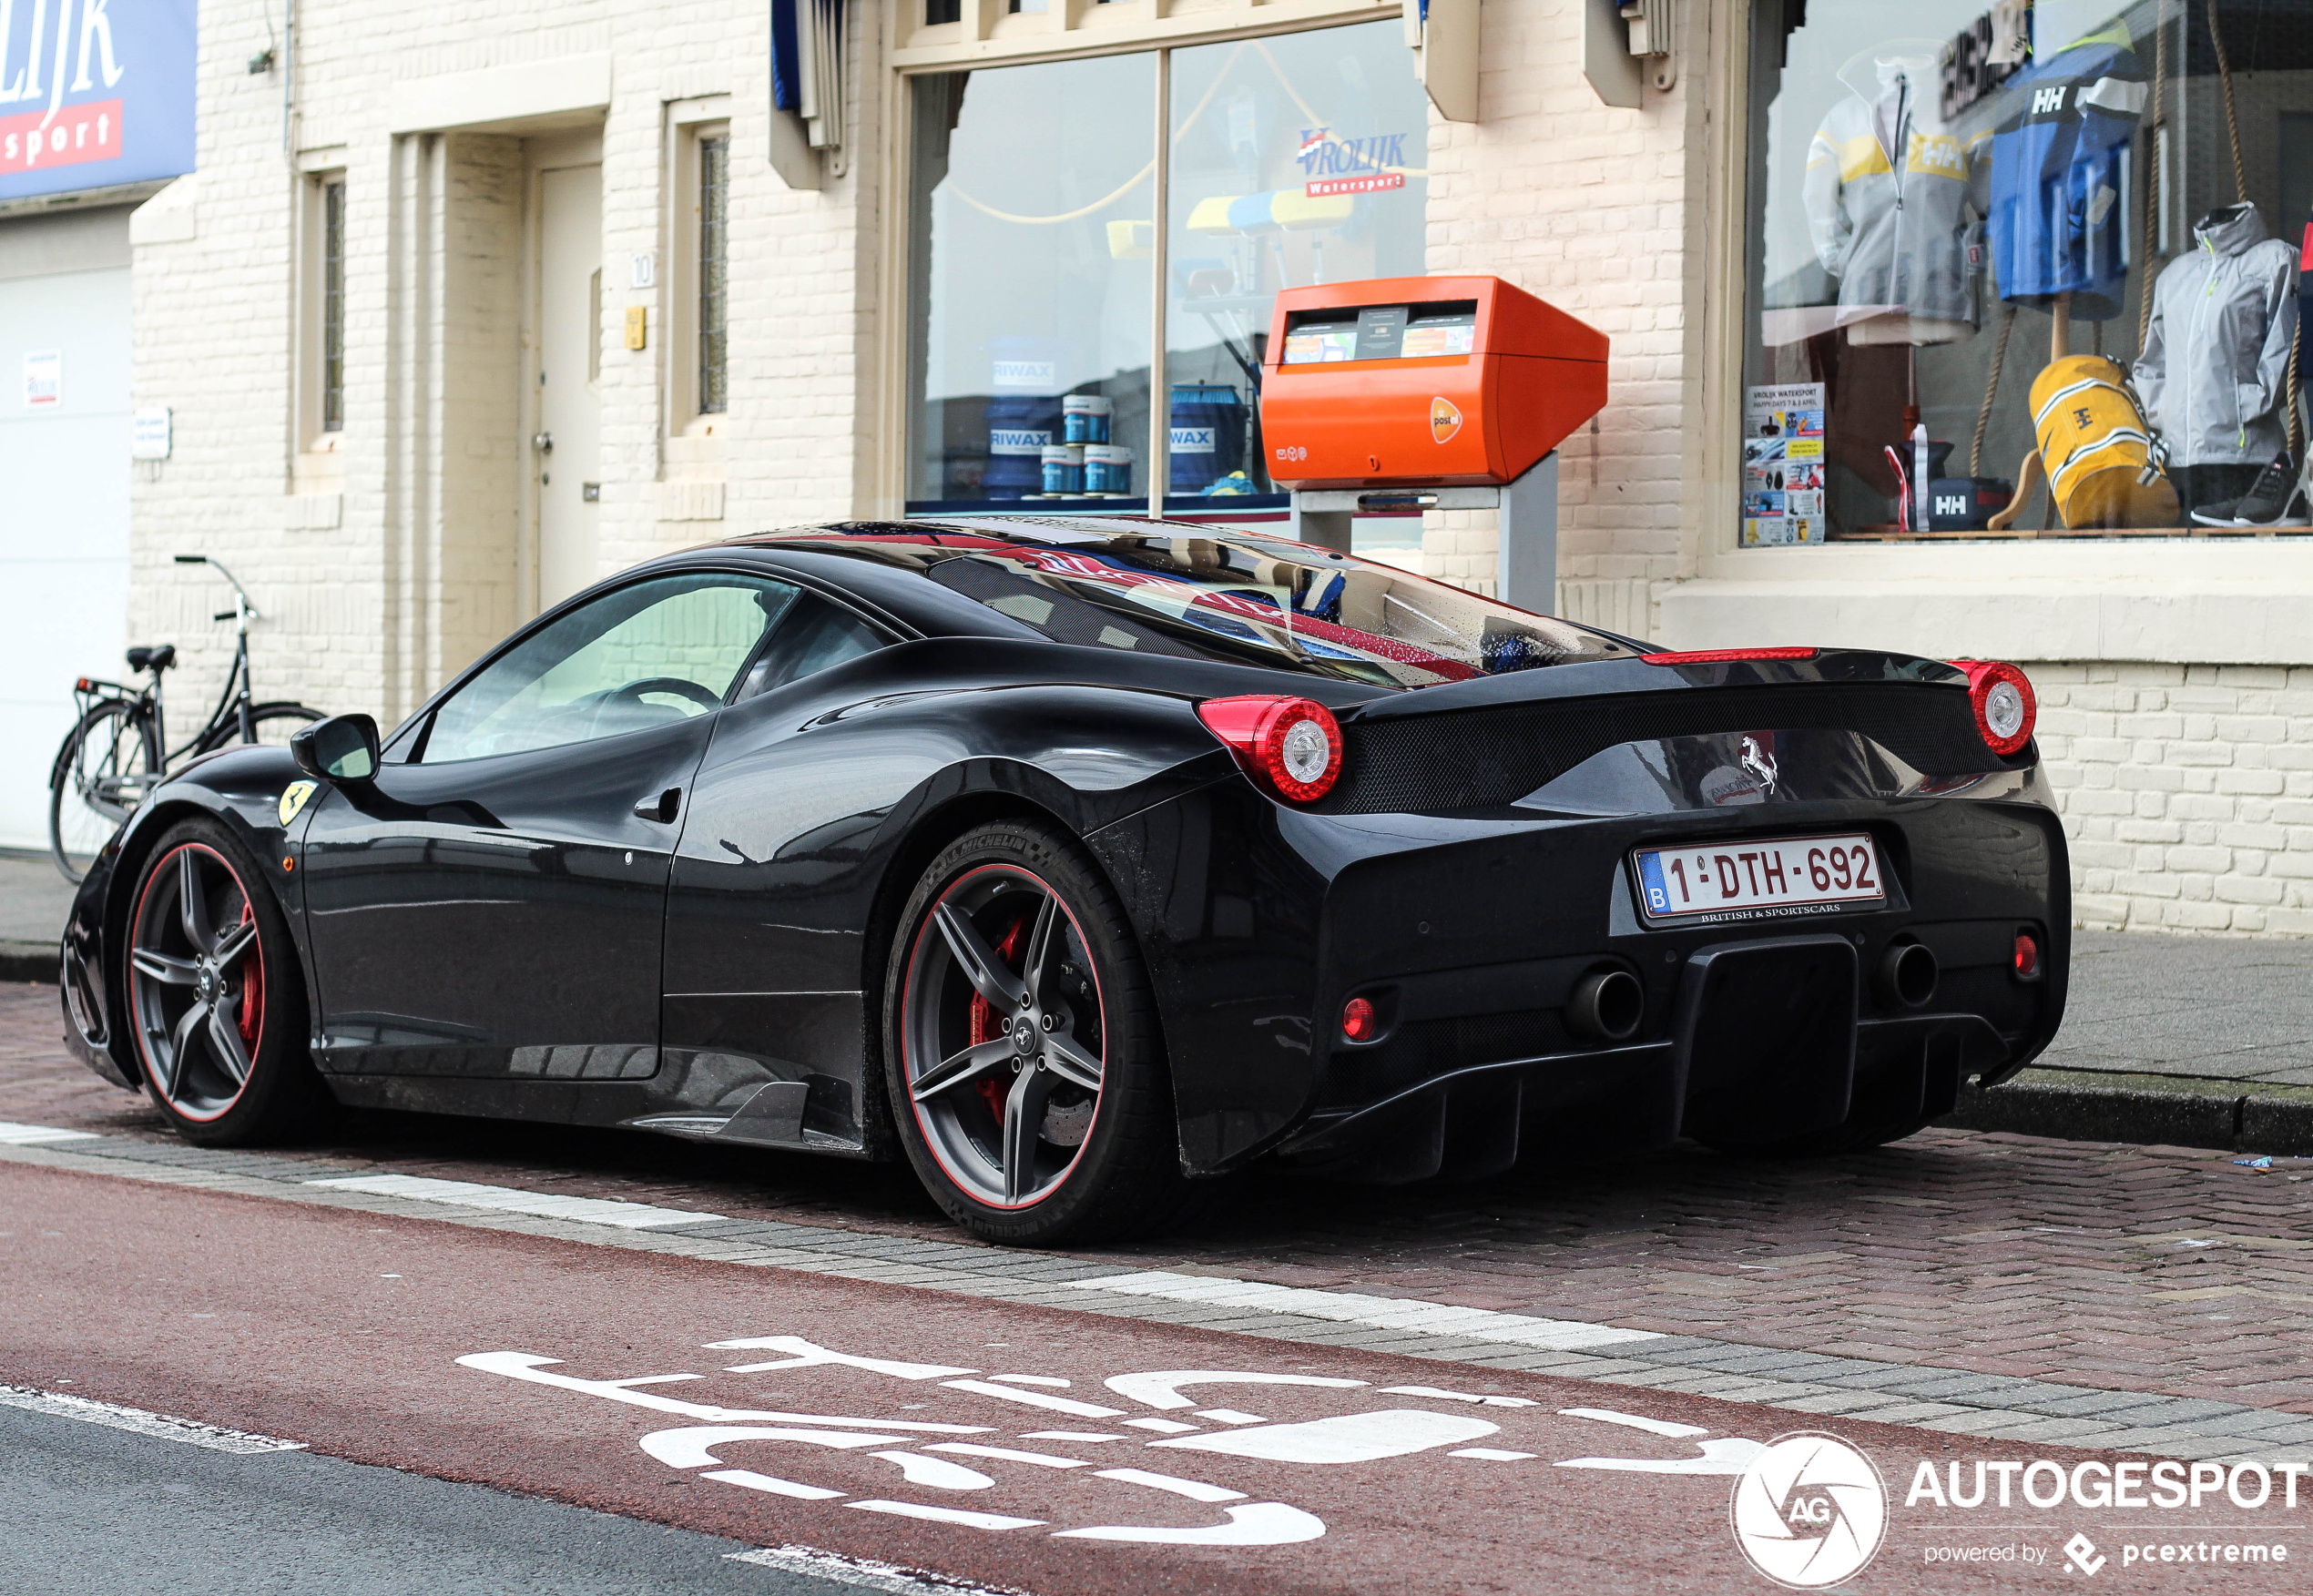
[(1759, 879)]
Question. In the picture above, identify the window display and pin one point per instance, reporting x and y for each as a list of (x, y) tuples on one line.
[(1294, 159), (2029, 267)]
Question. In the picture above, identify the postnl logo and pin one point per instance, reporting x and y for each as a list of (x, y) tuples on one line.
[(1446, 419)]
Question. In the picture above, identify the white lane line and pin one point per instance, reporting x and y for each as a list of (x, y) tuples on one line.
[(863, 1573), (1384, 1313), (970, 1521), (17, 1135), (506, 1199), (192, 1431), (1635, 1421)]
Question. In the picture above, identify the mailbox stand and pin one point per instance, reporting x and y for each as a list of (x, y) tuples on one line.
[(1526, 517)]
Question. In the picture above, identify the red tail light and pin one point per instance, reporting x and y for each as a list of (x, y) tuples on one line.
[(1291, 746), (2001, 697), (1358, 1021), (1725, 655), (2027, 955)]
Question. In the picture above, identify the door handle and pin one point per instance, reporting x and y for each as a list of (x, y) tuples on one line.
[(662, 808), (544, 442)]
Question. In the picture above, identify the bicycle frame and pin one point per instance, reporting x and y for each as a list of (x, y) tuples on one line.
[(145, 706)]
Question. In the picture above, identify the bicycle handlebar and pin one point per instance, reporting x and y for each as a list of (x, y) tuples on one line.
[(246, 609)]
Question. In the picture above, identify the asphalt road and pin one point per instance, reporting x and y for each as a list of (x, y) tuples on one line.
[(106, 1511), (1007, 1446)]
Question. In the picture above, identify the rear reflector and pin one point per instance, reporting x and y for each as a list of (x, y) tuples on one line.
[(2002, 699), (1725, 656), (1291, 746), (1357, 1020), (2027, 955)]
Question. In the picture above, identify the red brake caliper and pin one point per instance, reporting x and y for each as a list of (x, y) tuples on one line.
[(986, 1027), (252, 1014)]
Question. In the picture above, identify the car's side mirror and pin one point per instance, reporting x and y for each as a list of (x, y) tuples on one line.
[(342, 748)]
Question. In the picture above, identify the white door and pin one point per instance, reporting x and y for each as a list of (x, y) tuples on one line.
[(569, 379)]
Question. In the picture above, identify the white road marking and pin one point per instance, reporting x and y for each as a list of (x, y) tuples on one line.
[(1635, 1421), (1726, 1455), (1229, 1416), (15, 1136), (1053, 1381), (803, 1354), (192, 1431), (1458, 1396), (1081, 1436), (863, 1573), (691, 1446), (1491, 1454), (529, 1366), (1194, 1489), (506, 1199), (1164, 1426), (1006, 1454), (1261, 1524), (1385, 1313), (945, 1515), (936, 1472), (1161, 1387), (764, 1482), (1349, 1438), (1068, 1405)]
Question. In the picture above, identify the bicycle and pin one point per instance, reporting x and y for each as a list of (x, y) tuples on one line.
[(117, 750)]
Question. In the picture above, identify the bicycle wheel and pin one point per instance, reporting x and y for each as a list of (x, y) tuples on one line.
[(101, 775), (273, 724)]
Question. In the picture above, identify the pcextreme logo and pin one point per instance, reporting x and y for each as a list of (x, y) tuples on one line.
[(1811, 1511)]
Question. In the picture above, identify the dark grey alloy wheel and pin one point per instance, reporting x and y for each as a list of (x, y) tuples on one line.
[(216, 1003), (1002, 1034), (1022, 1049)]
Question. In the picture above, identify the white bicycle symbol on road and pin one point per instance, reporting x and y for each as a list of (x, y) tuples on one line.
[(937, 1455)]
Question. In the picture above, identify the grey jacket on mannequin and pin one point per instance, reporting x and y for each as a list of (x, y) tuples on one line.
[(1888, 192), (2215, 368)]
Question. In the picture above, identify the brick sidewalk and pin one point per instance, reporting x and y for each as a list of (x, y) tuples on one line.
[(2130, 1268)]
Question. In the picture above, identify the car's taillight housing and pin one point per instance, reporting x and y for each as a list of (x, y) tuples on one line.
[(2001, 697), (1291, 746)]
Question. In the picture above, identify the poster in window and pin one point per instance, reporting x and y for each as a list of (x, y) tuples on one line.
[(1783, 464)]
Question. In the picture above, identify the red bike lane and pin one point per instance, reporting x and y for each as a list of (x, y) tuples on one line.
[(1012, 1445)]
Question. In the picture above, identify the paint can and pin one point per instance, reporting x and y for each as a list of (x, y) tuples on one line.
[(1024, 413), (1085, 418), (1108, 468), (1063, 470), (1207, 435)]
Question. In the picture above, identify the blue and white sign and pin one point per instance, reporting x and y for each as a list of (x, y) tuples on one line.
[(94, 93)]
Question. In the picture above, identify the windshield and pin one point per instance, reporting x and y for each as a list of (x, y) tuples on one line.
[(1156, 588)]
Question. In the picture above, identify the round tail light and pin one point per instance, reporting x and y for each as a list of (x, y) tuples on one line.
[(2001, 697), (2027, 955), (1358, 1021), (1291, 746)]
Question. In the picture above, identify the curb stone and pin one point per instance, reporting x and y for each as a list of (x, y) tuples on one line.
[(2175, 1110), (33, 961)]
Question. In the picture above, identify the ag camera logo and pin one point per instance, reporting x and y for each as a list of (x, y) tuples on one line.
[(1811, 1511)]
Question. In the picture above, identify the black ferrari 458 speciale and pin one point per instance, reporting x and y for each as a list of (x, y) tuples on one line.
[(1085, 861)]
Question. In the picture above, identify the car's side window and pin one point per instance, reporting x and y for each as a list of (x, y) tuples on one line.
[(649, 654), (812, 636)]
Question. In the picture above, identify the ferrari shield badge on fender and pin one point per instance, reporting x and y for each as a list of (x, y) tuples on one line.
[(1446, 419), (294, 799)]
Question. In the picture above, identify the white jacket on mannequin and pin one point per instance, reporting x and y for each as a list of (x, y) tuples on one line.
[(2214, 369)]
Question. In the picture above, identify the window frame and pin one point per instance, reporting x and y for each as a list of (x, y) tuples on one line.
[(319, 308), (690, 124)]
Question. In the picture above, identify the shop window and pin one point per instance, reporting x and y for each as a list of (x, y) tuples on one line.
[(1048, 311), (1988, 244)]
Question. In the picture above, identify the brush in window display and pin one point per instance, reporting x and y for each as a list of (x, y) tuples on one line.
[(2214, 370), (1888, 194)]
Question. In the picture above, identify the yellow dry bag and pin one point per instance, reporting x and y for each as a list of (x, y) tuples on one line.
[(2095, 447)]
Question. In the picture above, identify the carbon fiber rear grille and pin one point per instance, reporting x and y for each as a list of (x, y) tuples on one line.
[(1479, 758)]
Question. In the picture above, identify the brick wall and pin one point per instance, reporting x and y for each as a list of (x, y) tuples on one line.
[(2188, 793)]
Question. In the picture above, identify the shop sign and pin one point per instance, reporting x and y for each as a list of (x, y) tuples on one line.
[(1331, 164), (94, 93)]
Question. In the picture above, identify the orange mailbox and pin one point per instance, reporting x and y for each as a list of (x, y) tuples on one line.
[(1422, 382)]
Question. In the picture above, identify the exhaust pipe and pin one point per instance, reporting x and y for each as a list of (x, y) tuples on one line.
[(1606, 1006), (1906, 974)]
